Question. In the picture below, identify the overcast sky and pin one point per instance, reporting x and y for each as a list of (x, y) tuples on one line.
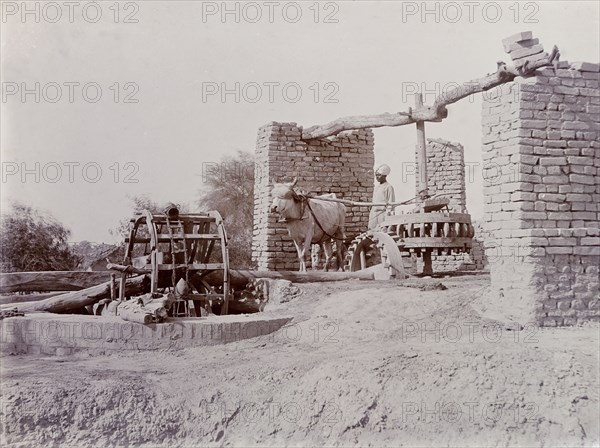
[(157, 65)]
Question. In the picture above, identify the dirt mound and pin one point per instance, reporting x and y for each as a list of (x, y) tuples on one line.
[(362, 364)]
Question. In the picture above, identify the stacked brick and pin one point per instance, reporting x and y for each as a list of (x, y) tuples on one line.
[(342, 164), (445, 172), (446, 177), (522, 47), (542, 190), (476, 260)]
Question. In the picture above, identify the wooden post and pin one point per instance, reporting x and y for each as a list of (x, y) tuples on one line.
[(113, 287), (427, 264), (423, 193), (422, 149)]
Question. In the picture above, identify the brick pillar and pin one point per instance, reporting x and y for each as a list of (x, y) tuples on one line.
[(445, 172), (342, 164), (542, 189), (446, 176)]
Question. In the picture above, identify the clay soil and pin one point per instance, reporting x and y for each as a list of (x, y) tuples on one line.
[(361, 364)]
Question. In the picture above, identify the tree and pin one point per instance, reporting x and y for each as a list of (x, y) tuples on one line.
[(92, 253), (34, 241), (139, 204), (229, 188)]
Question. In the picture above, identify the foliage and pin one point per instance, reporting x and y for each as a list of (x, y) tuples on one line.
[(229, 189), (34, 241), (92, 253), (139, 203)]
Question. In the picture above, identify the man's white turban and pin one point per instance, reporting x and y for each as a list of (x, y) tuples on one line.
[(384, 170)]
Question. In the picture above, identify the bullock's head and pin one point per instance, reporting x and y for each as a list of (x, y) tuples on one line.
[(285, 200)]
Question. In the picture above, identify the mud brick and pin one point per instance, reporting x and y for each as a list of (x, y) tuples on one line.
[(523, 196), (534, 124), (549, 322), (587, 250), (519, 37), (590, 241), (550, 197), (563, 305), (524, 51), (560, 241), (567, 74), (585, 66), (555, 143), (553, 160), (582, 179), (575, 160), (578, 305), (563, 179), (591, 76), (532, 58), (521, 44)]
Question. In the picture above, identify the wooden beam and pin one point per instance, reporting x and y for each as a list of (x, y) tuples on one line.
[(438, 111), (79, 299), (14, 299), (50, 281), (241, 278), (54, 280)]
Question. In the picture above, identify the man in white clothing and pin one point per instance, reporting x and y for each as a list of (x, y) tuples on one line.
[(383, 192)]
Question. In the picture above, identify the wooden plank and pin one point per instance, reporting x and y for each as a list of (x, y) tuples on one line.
[(162, 238), (195, 219), (435, 242), (194, 266), (433, 217)]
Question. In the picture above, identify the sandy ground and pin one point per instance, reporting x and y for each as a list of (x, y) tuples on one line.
[(362, 364)]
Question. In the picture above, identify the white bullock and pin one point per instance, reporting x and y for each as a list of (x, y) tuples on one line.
[(311, 221)]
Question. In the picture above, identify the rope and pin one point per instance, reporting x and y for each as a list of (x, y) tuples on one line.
[(359, 204), (307, 200), (369, 204)]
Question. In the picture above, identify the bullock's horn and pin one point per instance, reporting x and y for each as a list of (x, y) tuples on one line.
[(294, 182)]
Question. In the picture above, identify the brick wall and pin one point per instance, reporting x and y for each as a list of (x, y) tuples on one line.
[(445, 172), (541, 193), (342, 164), (446, 176)]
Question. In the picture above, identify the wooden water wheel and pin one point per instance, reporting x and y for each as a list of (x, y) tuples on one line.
[(172, 247)]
